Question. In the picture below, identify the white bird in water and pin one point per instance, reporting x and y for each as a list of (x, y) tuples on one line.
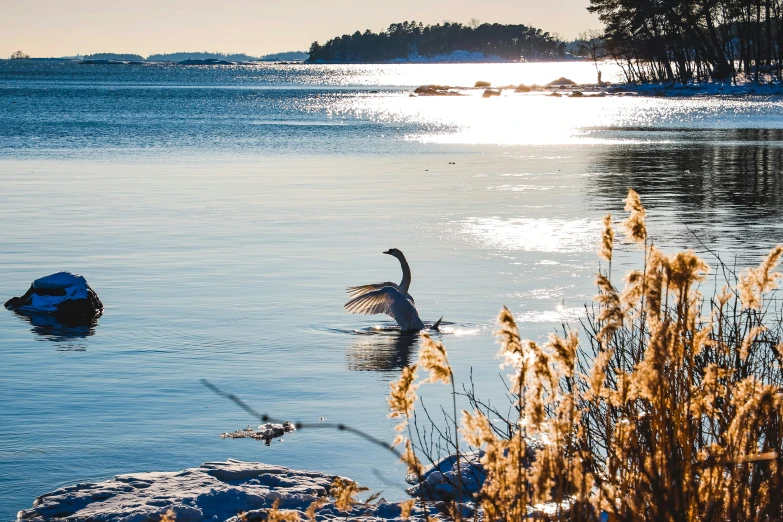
[(389, 298)]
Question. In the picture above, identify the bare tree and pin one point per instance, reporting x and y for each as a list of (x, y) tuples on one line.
[(19, 55), (592, 45)]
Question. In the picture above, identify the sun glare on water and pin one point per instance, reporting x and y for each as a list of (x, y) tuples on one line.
[(521, 118), (534, 234)]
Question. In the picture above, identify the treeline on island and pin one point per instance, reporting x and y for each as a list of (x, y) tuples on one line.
[(410, 39), (115, 56), (685, 40), (182, 56), (178, 57)]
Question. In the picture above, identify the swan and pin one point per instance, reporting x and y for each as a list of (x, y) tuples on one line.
[(389, 298)]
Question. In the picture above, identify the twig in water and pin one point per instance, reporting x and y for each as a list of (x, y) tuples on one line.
[(263, 417)]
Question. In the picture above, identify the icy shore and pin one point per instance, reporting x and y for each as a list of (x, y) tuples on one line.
[(568, 88), (216, 491)]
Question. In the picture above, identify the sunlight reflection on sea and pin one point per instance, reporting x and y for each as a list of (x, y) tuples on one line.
[(221, 212)]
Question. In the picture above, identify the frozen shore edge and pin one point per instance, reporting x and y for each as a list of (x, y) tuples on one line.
[(588, 90), (214, 491)]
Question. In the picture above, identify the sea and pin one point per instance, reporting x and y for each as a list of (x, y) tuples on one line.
[(219, 212)]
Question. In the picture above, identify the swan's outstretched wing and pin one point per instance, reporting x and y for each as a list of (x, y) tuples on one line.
[(385, 300), (354, 291)]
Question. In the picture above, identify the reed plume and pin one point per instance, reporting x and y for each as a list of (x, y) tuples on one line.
[(635, 226), (607, 240)]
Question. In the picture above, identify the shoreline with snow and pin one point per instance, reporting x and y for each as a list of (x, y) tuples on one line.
[(563, 87), (230, 491)]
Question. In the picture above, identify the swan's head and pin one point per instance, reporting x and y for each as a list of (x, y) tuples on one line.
[(394, 252)]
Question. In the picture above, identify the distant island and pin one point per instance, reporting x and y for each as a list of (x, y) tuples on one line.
[(293, 56), (194, 57), (415, 42), (115, 56)]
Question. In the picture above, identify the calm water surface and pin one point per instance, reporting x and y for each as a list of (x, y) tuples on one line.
[(219, 213)]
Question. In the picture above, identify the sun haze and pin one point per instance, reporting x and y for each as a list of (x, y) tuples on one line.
[(51, 28)]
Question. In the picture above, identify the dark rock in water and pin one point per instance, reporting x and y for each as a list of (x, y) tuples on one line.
[(65, 296), (435, 90), (576, 94), (489, 92), (562, 81), (483, 84), (426, 88)]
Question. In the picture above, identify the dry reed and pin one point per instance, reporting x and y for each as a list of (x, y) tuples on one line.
[(671, 409)]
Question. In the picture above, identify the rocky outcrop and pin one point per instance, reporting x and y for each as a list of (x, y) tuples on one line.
[(435, 90), (562, 81), (215, 491), (64, 295)]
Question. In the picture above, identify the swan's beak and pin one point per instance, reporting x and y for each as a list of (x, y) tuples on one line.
[(388, 252)]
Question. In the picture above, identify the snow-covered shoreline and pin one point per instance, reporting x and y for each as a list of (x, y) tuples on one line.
[(567, 88), (217, 491), (237, 491)]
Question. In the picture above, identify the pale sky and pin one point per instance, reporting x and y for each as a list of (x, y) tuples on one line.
[(43, 28)]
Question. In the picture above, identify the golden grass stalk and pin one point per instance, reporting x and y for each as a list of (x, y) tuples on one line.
[(607, 240), (433, 358), (275, 514), (344, 493), (405, 508)]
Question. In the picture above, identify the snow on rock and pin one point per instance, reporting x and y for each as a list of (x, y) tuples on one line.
[(439, 482), (215, 491), (64, 295)]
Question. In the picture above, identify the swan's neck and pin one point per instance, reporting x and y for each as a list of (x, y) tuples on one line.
[(406, 275)]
